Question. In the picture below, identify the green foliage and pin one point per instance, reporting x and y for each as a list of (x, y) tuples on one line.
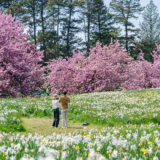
[(3, 156), (124, 11), (149, 34), (103, 28)]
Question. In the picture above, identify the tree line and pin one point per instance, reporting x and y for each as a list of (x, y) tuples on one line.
[(58, 27)]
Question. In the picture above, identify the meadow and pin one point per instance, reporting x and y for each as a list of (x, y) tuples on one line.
[(123, 125)]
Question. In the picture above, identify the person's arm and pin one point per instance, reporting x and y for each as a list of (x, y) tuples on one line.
[(59, 100), (53, 104), (60, 103)]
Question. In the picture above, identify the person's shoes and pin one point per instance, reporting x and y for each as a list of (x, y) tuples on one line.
[(85, 124)]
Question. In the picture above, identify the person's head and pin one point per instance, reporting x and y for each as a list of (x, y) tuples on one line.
[(65, 93), (55, 97)]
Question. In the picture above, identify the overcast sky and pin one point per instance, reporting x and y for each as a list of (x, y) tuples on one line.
[(143, 3)]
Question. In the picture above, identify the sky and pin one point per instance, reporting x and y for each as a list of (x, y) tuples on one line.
[(143, 3)]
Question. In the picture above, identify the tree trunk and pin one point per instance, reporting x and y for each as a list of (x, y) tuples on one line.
[(34, 23), (68, 32), (126, 36), (99, 27), (57, 50), (43, 30), (88, 27)]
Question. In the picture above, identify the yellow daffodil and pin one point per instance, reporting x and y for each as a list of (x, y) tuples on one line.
[(88, 136), (77, 148), (141, 142), (43, 141), (144, 150), (150, 143)]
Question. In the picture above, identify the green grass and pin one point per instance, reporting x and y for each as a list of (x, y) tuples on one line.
[(2, 156), (99, 109), (43, 126)]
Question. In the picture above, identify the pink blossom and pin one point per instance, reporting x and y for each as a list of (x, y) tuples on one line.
[(19, 68)]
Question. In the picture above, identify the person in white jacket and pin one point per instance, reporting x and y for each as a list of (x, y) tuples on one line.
[(55, 109)]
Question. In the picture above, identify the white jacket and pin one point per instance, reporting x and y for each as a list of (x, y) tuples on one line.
[(55, 104)]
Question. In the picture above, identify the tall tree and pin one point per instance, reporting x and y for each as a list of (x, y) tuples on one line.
[(56, 12), (70, 27), (150, 29), (42, 4), (19, 59), (5, 4), (124, 11), (103, 28), (87, 12), (30, 17)]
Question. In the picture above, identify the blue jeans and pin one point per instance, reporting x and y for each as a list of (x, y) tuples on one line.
[(56, 117)]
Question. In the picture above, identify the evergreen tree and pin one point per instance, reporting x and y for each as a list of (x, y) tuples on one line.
[(124, 11), (30, 17), (87, 12), (150, 30), (56, 14), (42, 4), (70, 27), (103, 24), (5, 4)]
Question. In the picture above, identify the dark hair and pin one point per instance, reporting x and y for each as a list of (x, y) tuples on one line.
[(65, 92)]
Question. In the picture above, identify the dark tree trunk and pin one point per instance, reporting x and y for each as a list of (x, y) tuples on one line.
[(34, 23), (126, 37), (68, 33), (43, 30)]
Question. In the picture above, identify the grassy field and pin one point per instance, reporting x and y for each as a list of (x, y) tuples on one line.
[(123, 125), (43, 126), (103, 109)]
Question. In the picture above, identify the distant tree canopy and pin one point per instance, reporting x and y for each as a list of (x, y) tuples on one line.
[(124, 12), (150, 30), (59, 26), (106, 68)]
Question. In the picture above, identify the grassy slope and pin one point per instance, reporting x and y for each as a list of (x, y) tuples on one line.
[(99, 109), (43, 126)]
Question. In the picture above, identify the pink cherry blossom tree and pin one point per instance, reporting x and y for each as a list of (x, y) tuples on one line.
[(102, 70), (20, 71), (142, 74)]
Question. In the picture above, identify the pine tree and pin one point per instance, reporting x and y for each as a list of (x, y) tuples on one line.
[(150, 30), (70, 27), (30, 17), (103, 24), (124, 11), (56, 14), (42, 4), (5, 4), (87, 12)]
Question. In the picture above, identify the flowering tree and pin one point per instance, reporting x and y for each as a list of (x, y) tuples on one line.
[(19, 68), (137, 75), (102, 70), (143, 74), (155, 73)]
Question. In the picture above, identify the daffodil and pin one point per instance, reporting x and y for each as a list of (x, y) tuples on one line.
[(144, 150)]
